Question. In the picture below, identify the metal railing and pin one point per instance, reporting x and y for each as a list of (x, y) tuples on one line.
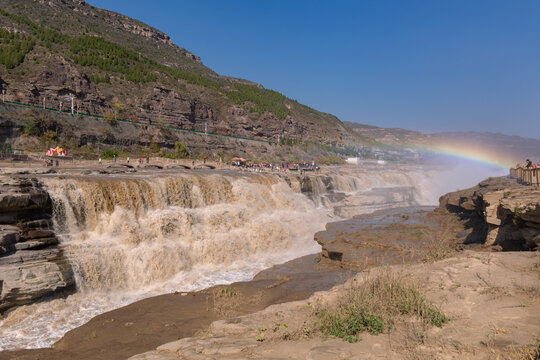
[(528, 176)]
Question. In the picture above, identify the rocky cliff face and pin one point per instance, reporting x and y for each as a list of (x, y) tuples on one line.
[(31, 264), (111, 64), (500, 213)]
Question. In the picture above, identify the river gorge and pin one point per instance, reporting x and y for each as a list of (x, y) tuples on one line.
[(132, 235)]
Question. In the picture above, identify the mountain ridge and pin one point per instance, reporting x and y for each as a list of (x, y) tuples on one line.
[(113, 65)]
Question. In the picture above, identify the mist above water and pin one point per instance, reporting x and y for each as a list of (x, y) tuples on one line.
[(451, 174)]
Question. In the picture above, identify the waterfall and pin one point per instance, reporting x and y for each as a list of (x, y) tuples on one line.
[(129, 237), (359, 190), (137, 235), (128, 233)]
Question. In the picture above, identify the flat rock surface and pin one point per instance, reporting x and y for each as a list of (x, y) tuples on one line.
[(393, 236), (493, 300)]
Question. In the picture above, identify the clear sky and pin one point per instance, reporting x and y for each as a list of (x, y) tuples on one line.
[(431, 65)]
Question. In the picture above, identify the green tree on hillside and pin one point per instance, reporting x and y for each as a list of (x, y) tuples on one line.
[(30, 128), (181, 150), (13, 48)]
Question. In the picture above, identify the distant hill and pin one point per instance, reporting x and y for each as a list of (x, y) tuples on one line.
[(119, 67), (510, 149), (387, 136)]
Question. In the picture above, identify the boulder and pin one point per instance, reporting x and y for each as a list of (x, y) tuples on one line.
[(391, 236), (10, 202), (37, 233), (531, 237), (37, 224), (491, 205), (9, 235), (526, 204), (492, 235), (36, 244)]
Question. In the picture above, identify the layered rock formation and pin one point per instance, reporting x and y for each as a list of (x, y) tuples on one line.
[(394, 236), (98, 134), (111, 64), (498, 212), (31, 264)]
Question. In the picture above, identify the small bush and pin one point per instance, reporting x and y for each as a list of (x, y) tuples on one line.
[(109, 153), (329, 160), (517, 220), (110, 118), (167, 155), (6, 148), (349, 322), (154, 147), (181, 150), (226, 301), (49, 137), (226, 292), (105, 130)]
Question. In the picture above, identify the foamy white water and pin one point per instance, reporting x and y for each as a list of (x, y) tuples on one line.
[(137, 236)]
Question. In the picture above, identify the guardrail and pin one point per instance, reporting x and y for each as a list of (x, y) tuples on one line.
[(526, 176)]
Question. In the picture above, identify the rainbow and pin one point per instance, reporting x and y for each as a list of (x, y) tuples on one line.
[(470, 153)]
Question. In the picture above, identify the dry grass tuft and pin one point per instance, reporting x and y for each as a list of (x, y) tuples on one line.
[(225, 300), (529, 352), (373, 307)]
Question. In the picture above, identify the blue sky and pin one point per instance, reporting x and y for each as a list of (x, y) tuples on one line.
[(429, 65)]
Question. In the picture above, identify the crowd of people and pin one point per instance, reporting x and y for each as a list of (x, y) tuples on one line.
[(50, 162), (283, 167)]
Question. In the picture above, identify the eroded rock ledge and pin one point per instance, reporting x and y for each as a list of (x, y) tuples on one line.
[(31, 264), (499, 213)]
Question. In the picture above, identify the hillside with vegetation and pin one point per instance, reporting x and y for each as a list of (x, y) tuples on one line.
[(119, 68)]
